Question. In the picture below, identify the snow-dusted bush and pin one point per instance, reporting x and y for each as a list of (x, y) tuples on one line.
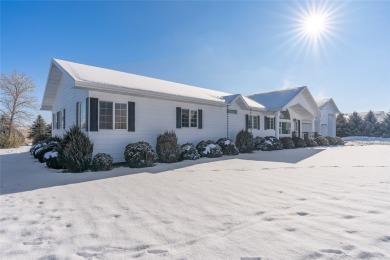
[(209, 149), (299, 142), (277, 144), (52, 161), (46, 147), (245, 142), (101, 162), (189, 152), (322, 141), (75, 150), (227, 146), (311, 143), (139, 155), (287, 143), (334, 140), (167, 148), (339, 141)]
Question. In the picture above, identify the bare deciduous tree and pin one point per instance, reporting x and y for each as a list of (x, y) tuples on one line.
[(17, 100)]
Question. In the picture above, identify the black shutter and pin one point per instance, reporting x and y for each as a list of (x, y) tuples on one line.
[(77, 114), (274, 122), (246, 122), (58, 120), (87, 114), (258, 122), (178, 117), (94, 114), (200, 118), (131, 116), (265, 123), (53, 120), (64, 117)]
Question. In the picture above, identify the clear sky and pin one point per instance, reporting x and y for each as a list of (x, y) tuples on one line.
[(237, 47)]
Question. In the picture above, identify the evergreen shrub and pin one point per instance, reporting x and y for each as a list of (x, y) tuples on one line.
[(75, 150), (287, 143), (322, 141), (245, 142), (311, 143), (209, 149), (228, 147), (299, 142), (167, 148), (139, 155), (189, 152), (101, 162)]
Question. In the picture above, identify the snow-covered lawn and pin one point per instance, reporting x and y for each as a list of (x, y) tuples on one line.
[(365, 140), (331, 203)]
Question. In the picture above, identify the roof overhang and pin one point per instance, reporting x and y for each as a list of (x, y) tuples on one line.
[(310, 109)]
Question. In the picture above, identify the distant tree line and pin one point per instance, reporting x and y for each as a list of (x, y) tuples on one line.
[(355, 125)]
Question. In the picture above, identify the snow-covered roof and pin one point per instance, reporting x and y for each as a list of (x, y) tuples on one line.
[(276, 100), (91, 77), (248, 103), (323, 102)]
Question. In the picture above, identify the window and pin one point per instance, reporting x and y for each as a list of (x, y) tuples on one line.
[(105, 115), (284, 128), (269, 123), (194, 118), (83, 116), (185, 114), (189, 118), (59, 121), (120, 115), (255, 122)]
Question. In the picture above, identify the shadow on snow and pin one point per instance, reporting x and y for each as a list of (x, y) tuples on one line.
[(21, 172)]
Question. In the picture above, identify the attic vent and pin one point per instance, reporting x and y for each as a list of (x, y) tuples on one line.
[(232, 111)]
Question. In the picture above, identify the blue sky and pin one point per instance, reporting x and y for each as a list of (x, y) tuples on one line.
[(237, 47)]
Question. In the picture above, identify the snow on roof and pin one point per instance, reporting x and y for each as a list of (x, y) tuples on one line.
[(249, 102), (86, 75), (322, 102), (276, 99)]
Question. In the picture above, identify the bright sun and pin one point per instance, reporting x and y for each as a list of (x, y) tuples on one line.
[(315, 24)]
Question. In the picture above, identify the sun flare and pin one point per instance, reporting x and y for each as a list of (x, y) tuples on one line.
[(315, 24)]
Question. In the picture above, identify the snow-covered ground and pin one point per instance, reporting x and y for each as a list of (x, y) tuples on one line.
[(324, 203), (366, 140)]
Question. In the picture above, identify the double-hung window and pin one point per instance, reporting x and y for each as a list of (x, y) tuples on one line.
[(255, 122), (269, 123), (194, 118), (120, 115), (105, 115), (284, 128), (189, 118)]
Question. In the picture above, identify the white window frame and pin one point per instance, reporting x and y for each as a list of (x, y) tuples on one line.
[(281, 127), (271, 122), (190, 111), (114, 115)]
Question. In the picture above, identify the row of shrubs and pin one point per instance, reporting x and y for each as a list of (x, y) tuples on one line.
[(74, 151)]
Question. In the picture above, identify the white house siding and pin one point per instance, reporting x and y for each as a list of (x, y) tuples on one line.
[(153, 117), (328, 120), (66, 98)]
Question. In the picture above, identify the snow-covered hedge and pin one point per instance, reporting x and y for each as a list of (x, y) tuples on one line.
[(101, 162), (189, 152), (268, 143), (334, 140), (245, 142), (167, 148), (322, 141), (299, 142), (52, 160), (228, 147), (139, 155), (287, 143), (209, 149), (311, 143)]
